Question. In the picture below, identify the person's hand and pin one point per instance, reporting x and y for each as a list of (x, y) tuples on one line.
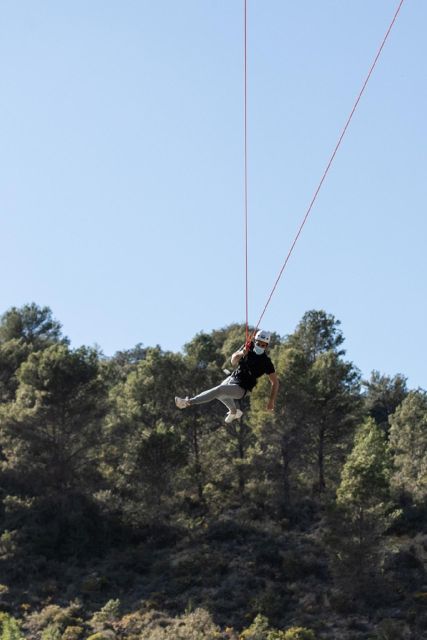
[(270, 405)]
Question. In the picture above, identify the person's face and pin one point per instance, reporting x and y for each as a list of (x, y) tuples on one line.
[(261, 344)]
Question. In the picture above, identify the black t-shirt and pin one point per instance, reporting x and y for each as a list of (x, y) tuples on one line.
[(250, 368)]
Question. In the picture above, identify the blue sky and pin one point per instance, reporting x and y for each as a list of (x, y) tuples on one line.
[(121, 169)]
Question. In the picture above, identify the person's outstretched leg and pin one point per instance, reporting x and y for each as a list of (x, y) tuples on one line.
[(225, 392)]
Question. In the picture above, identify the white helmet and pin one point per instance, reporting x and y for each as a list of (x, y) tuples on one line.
[(264, 336)]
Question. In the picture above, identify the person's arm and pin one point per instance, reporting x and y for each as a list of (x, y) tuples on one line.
[(236, 357), (274, 381)]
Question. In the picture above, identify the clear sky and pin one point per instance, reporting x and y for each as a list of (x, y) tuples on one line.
[(121, 169)]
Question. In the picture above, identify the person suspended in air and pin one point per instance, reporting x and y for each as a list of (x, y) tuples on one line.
[(251, 362)]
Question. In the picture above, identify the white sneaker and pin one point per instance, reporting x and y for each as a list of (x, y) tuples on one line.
[(182, 403), (233, 416)]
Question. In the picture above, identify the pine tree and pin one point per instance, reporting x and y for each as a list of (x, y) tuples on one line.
[(50, 439), (383, 395), (408, 440), (144, 442), (22, 331), (318, 405), (51, 431), (362, 514)]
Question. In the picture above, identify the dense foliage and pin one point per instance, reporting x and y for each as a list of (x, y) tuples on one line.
[(122, 517)]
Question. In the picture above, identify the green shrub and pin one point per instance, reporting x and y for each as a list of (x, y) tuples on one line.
[(10, 628), (258, 630), (108, 614), (53, 617), (192, 626), (72, 632), (107, 634), (51, 632), (298, 633)]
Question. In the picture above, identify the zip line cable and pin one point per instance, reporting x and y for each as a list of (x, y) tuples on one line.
[(326, 171), (245, 85)]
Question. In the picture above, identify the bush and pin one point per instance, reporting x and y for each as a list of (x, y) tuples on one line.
[(258, 630), (298, 633), (10, 628), (4, 590), (108, 614), (8, 544), (107, 634), (51, 632), (271, 602), (52, 618), (294, 633), (193, 626), (73, 632)]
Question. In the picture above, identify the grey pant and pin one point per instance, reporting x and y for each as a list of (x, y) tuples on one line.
[(227, 392)]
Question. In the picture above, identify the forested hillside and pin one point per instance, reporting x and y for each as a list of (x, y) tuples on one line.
[(123, 517)]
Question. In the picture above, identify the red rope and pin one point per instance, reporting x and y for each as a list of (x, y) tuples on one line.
[(246, 173), (330, 161)]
